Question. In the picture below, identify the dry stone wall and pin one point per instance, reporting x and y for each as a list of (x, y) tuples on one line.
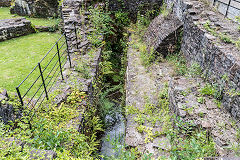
[(5, 3), (219, 60), (134, 6), (76, 25), (36, 8), (11, 28)]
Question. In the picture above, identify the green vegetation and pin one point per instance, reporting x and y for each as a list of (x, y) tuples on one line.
[(20, 55), (164, 11), (238, 20), (54, 128), (109, 26), (187, 141), (179, 63), (5, 14), (222, 36), (190, 147)]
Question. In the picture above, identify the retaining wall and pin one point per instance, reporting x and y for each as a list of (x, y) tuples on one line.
[(219, 60), (11, 28)]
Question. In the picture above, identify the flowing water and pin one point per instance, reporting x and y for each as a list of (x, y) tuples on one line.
[(113, 138)]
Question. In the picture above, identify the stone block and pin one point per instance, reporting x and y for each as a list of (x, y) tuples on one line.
[(11, 28)]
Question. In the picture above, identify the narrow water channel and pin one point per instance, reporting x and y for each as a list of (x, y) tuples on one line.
[(113, 138)]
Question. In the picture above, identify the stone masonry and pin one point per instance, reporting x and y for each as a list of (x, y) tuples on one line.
[(76, 25), (36, 8), (5, 3), (134, 6), (184, 101), (163, 34), (217, 58), (143, 86), (8, 112), (11, 28)]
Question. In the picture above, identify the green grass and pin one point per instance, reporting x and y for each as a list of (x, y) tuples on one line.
[(5, 14), (20, 55)]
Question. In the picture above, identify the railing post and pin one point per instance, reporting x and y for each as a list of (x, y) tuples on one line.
[(229, 2), (19, 95), (75, 30), (69, 58), (45, 89), (59, 59)]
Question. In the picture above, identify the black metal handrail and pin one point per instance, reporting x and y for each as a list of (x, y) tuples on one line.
[(228, 5), (47, 74)]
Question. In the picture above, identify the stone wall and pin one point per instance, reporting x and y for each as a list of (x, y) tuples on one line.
[(133, 6), (218, 59), (11, 28), (8, 112), (76, 25), (5, 3), (185, 104), (36, 8)]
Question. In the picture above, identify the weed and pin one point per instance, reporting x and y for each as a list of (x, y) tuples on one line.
[(84, 69), (146, 56), (164, 11), (225, 38), (201, 100), (209, 29), (179, 63), (193, 147), (195, 70), (207, 90)]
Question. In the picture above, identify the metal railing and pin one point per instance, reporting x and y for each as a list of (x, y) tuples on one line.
[(35, 88), (233, 4)]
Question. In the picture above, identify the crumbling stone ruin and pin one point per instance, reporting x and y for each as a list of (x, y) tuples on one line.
[(5, 3), (156, 97), (11, 28), (162, 34), (35, 8), (216, 58), (135, 6)]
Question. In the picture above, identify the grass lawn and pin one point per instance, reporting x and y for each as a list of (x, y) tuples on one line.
[(20, 55), (5, 14)]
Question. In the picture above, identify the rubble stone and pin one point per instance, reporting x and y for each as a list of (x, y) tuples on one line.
[(215, 120)]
